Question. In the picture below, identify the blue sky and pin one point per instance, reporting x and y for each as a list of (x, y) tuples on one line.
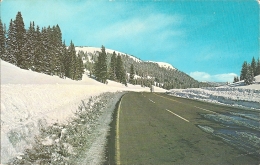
[(207, 39)]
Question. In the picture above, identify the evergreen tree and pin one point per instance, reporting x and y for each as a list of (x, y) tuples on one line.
[(249, 78), (2, 40), (38, 58), (243, 71), (253, 66), (101, 66), (236, 79), (30, 46), (258, 67), (20, 40), (10, 45), (132, 74), (112, 69), (65, 60), (72, 61), (120, 71)]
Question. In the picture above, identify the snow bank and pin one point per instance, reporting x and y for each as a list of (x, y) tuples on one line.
[(249, 98), (30, 99)]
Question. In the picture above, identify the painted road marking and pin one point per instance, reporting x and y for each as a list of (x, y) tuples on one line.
[(178, 115), (206, 110), (152, 101), (117, 135), (169, 98)]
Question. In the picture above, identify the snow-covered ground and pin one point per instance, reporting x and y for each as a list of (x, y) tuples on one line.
[(236, 94), (28, 97), (164, 65)]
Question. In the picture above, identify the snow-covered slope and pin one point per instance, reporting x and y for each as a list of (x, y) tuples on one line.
[(241, 84), (236, 94), (28, 97), (164, 65), (94, 49)]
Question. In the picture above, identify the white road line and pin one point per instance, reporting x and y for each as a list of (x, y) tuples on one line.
[(151, 100), (178, 115), (206, 110)]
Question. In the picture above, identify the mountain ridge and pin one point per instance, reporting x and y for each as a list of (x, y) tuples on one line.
[(160, 74)]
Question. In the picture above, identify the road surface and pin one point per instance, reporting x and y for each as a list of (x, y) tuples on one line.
[(154, 128)]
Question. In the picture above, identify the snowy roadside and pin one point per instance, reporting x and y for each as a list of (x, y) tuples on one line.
[(240, 97), (83, 139), (30, 100)]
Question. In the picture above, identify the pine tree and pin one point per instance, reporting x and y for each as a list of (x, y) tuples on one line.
[(2, 40), (112, 69), (10, 45), (249, 78), (253, 66), (20, 40), (258, 67), (30, 46), (120, 71), (39, 55), (101, 66), (72, 61), (132, 74), (243, 71), (236, 79)]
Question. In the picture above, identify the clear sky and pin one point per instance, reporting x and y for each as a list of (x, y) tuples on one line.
[(207, 39)]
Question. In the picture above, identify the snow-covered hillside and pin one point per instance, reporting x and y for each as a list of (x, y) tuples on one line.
[(164, 65), (236, 94), (95, 49), (28, 97)]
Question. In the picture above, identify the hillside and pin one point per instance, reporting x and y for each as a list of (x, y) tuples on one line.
[(160, 74)]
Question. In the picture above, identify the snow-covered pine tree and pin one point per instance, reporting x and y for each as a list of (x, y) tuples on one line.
[(10, 45), (2, 40)]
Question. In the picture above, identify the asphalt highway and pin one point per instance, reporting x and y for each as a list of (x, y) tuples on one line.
[(155, 128)]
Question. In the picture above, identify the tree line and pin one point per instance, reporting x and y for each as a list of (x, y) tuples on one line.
[(125, 69), (249, 71), (112, 68), (40, 50)]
